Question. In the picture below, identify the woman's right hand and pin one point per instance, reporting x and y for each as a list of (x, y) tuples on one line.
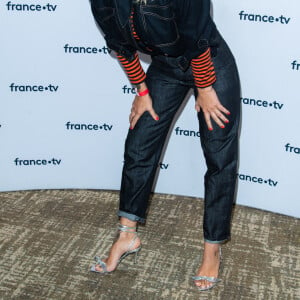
[(140, 105)]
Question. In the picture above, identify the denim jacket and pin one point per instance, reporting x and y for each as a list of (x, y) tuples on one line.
[(177, 28)]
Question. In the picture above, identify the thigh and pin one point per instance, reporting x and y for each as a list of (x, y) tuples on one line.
[(167, 88), (220, 145), (167, 94), (227, 87)]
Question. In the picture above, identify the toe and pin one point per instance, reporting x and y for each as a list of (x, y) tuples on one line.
[(95, 268), (203, 284), (200, 283), (98, 268)]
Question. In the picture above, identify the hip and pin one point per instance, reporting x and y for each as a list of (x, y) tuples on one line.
[(223, 60)]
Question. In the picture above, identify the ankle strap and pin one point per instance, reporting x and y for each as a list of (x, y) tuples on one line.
[(125, 228)]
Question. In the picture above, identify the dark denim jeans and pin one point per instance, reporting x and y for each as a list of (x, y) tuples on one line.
[(168, 86)]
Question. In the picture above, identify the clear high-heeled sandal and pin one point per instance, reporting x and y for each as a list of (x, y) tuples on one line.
[(212, 280), (135, 251)]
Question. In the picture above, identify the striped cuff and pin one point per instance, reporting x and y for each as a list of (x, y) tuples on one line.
[(203, 70), (133, 69)]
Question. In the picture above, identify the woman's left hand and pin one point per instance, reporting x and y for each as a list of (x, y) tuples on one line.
[(208, 101)]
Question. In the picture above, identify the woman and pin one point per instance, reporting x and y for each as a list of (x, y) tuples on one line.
[(187, 52)]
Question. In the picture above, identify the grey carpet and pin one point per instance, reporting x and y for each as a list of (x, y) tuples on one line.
[(48, 239)]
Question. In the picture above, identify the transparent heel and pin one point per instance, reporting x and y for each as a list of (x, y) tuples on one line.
[(102, 264), (136, 257)]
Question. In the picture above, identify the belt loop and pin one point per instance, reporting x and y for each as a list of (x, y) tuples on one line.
[(182, 62)]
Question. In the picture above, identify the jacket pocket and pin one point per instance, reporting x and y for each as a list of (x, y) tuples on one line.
[(159, 24), (103, 13)]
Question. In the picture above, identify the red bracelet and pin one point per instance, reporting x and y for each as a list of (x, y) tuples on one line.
[(143, 93)]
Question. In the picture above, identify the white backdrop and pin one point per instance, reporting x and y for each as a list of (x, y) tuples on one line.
[(65, 103)]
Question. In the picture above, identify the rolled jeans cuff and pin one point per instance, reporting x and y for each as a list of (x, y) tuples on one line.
[(216, 242), (131, 217)]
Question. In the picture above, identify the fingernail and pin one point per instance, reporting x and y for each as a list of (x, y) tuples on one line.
[(157, 118), (228, 113), (210, 129), (222, 126), (131, 128), (226, 121)]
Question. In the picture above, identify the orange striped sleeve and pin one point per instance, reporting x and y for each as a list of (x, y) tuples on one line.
[(203, 70), (133, 69)]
